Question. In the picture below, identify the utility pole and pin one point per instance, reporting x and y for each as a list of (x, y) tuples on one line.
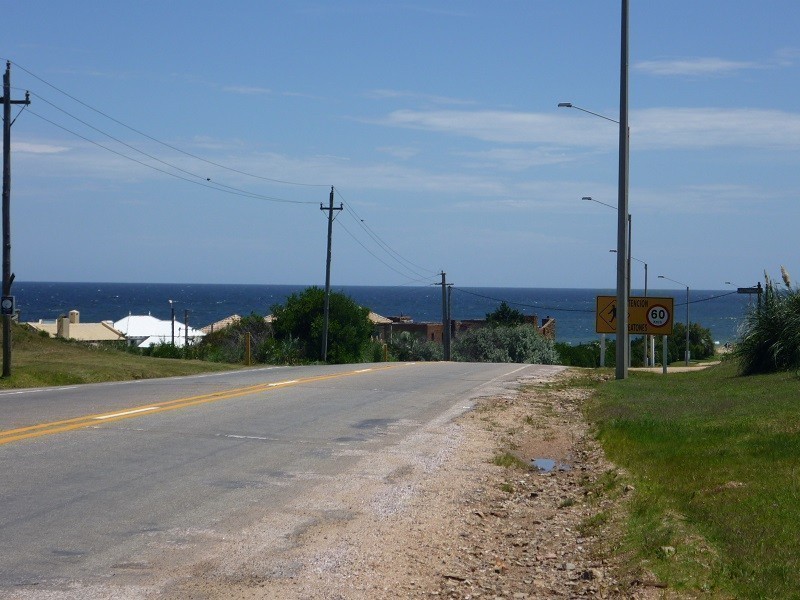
[(185, 329), (326, 310), (623, 237), (8, 276), (445, 319)]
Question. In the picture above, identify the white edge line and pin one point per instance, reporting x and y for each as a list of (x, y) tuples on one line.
[(127, 412), (282, 383)]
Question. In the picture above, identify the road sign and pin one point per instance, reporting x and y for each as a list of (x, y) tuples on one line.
[(7, 305), (646, 315)]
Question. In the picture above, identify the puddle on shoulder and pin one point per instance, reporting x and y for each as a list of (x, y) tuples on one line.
[(547, 465)]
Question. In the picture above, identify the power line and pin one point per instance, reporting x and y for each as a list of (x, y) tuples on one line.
[(396, 256), (553, 309), (215, 186), (165, 144), (203, 181), (379, 259)]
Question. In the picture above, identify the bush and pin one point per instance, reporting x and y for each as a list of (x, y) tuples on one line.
[(770, 340), (406, 346), (520, 344), (230, 343), (301, 319), (584, 355)]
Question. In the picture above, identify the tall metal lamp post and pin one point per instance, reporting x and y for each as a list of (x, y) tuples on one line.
[(686, 353), (623, 214), (645, 294), (625, 338)]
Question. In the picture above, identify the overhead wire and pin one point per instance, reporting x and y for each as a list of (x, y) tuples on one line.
[(379, 259), (553, 309), (165, 144), (171, 174), (420, 273), (406, 264), (202, 178)]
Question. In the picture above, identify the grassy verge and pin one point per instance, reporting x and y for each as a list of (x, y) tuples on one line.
[(715, 462), (37, 361)]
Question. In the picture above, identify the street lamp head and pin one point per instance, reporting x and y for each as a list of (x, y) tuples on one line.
[(587, 198), (565, 105)]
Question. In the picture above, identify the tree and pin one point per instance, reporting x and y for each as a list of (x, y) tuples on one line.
[(229, 343), (301, 319), (504, 316)]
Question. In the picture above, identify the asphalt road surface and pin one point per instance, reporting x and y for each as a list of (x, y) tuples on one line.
[(98, 479)]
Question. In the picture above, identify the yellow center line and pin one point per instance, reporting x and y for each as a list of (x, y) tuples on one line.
[(32, 431)]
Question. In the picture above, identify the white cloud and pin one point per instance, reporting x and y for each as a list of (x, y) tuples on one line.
[(247, 90), (382, 94), (655, 128), (401, 152), (695, 66), (712, 127), (32, 148), (498, 126)]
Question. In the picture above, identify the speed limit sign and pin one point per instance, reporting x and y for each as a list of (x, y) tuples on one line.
[(657, 315)]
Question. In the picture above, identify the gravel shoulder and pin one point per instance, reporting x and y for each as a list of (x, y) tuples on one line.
[(437, 516)]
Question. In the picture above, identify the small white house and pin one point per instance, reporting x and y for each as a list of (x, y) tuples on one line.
[(145, 331)]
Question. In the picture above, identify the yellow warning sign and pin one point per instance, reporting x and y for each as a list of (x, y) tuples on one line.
[(646, 315)]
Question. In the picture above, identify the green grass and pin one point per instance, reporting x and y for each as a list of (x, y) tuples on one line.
[(38, 361), (715, 461)]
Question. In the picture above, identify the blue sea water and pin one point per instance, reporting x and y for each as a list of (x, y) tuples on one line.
[(721, 311)]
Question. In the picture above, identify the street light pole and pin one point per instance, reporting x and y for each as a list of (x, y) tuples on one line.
[(623, 214), (623, 339), (645, 289), (623, 352), (686, 354)]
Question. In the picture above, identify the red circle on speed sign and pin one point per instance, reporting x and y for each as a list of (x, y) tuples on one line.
[(658, 315)]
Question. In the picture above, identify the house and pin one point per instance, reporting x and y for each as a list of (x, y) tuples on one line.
[(70, 327), (227, 322), (145, 331), (382, 325)]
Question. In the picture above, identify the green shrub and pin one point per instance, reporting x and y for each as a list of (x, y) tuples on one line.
[(229, 344), (771, 337), (406, 346), (519, 344), (584, 355)]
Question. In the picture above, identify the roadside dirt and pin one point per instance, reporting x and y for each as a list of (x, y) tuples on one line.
[(436, 516)]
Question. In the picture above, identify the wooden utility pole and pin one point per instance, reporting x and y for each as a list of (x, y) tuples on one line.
[(7, 303), (326, 309)]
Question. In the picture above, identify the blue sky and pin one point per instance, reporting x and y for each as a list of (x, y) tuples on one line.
[(436, 122)]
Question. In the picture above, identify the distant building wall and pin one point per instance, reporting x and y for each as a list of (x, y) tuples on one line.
[(429, 331)]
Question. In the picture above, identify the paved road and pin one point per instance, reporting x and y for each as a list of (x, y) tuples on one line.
[(94, 476)]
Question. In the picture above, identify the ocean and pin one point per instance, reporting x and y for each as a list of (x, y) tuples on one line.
[(721, 311)]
